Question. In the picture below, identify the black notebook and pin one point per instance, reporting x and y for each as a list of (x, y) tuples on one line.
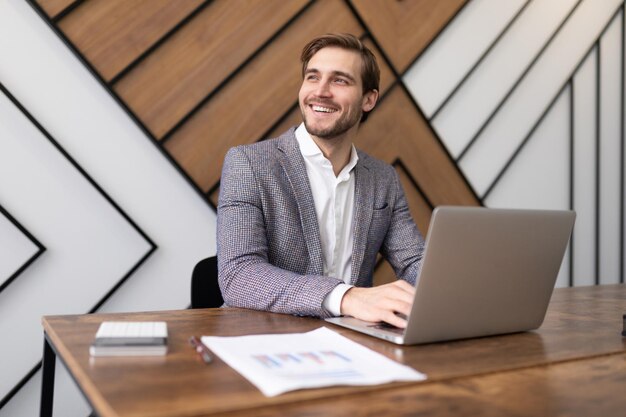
[(130, 338)]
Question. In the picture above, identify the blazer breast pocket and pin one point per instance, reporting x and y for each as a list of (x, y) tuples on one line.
[(381, 217)]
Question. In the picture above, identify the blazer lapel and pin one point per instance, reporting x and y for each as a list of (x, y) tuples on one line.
[(293, 165), (363, 197)]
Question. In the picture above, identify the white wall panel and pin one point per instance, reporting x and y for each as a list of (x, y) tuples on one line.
[(513, 122), (91, 245), (457, 49), (26, 403), (69, 102), (15, 248), (610, 152), (546, 185), (525, 106), (68, 401), (95, 131), (584, 237), (463, 116)]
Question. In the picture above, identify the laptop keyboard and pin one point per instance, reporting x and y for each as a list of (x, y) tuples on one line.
[(388, 327)]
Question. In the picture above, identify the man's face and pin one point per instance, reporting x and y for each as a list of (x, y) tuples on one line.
[(331, 96)]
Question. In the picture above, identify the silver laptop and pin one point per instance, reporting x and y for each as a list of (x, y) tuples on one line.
[(485, 272)]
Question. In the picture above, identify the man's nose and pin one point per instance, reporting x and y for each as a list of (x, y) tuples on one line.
[(323, 89)]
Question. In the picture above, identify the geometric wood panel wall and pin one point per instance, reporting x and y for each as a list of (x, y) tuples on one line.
[(200, 76), (203, 76), (92, 216)]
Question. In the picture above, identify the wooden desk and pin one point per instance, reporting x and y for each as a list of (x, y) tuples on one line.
[(574, 365)]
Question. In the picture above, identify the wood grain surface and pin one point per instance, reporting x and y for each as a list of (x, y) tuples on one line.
[(113, 33), (230, 73), (175, 78), (256, 98), (576, 357), (54, 7), (395, 132), (572, 366), (405, 28)]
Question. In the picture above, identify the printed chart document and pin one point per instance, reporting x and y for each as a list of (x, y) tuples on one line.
[(320, 358)]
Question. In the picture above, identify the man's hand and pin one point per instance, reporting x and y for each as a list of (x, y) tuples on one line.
[(379, 303)]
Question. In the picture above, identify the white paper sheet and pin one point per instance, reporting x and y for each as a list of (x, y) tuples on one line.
[(284, 362)]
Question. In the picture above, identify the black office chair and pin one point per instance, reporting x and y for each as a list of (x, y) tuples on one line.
[(205, 290)]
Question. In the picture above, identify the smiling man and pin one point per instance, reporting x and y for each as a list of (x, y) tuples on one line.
[(301, 218)]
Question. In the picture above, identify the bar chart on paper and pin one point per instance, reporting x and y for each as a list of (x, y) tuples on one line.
[(321, 364), (284, 362)]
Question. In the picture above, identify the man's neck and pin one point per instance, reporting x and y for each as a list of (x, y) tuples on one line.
[(336, 150)]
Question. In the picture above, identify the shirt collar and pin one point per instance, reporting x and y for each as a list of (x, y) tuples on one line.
[(308, 147)]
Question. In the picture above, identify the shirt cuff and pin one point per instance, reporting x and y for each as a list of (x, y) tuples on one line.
[(332, 302)]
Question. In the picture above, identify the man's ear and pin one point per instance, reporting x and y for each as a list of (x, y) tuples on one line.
[(369, 100)]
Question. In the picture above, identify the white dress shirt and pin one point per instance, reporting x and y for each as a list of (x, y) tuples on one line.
[(334, 207)]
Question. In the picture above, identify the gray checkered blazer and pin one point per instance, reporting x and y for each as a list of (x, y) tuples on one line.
[(268, 240)]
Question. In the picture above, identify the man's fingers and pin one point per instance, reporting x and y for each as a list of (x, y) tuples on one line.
[(380, 303), (395, 320), (396, 305)]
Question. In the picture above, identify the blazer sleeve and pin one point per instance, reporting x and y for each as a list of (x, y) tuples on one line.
[(246, 277), (403, 246)]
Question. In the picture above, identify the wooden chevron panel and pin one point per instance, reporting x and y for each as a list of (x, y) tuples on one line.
[(396, 130), (230, 75), (405, 28), (418, 205), (113, 33), (256, 98), (176, 77), (384, 273), (54, 7)]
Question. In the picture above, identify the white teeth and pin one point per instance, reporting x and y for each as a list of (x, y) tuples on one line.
[(323, 109)]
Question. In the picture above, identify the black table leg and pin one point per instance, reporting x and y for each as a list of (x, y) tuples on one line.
[(47, 379)]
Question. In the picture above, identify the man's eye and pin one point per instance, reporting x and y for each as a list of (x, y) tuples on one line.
[(341, 81), (311, 77)]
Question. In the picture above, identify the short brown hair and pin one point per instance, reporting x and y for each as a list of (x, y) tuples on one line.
[(370, 73)]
